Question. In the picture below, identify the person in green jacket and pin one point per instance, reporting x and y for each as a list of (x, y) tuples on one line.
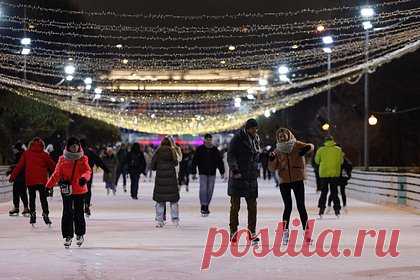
[(329, 158)]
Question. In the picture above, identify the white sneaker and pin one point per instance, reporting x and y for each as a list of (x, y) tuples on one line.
[(328, 210)]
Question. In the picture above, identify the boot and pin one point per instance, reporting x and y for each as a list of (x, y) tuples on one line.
[(285, 237), (46, 219), (32, 219), (14, 212)]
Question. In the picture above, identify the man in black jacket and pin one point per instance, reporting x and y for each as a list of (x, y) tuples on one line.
[(242, 157), (122, 166), (208, 159), (94, 159)]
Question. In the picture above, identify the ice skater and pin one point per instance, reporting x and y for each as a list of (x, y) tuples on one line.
[(72, 174), (243, 153), (166, 188), (288, 159), (110, 160), (208, 159), (37, 165)]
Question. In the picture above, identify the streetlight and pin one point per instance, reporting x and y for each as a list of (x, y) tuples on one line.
[(25, 42), (373, 120), (366, 13), (69, 69), (328, 41), (325, 126)]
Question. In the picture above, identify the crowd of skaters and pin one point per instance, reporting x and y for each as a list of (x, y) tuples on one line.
[(38, 169)]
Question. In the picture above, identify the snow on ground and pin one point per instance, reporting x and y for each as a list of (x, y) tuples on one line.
[(123, 243)]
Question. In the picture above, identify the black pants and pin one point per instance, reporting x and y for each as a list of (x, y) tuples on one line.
[(88, 195), (286, 193), (134, 188), (235, 205), (343, 195), (266, 173), (42, 197), (19, 193), (121, 171), (73, 219), (332, 183)]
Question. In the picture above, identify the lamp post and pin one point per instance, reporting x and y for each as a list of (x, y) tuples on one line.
[(366, 13), (328, 41)]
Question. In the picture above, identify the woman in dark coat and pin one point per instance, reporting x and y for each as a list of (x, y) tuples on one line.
[(136, 164), (166, 189)]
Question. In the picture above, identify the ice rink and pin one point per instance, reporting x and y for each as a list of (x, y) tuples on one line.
[(123, 243)]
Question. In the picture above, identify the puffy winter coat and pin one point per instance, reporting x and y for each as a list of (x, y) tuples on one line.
[(111, 163), (164, 162), (329, 158), (37, 164), (64, 169), (290, 167), (243, 157)]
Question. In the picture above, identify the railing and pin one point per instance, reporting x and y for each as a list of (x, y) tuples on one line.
[(381, 187), (5, 187)]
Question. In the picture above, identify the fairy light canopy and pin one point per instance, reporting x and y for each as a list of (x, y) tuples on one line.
[(166, 73)]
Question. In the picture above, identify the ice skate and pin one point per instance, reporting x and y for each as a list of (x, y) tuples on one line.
[(79, 240), (14, 212), (255, 240), (67, 242), (46, 219), (87, 211), (160, 224), (32, 219), (26, 212), (285, 237)]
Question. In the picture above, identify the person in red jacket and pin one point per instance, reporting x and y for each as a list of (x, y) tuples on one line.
[(73, 167), (37, 165)]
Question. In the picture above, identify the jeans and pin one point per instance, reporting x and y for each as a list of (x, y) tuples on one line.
[(19, 192), (73, 219), (235, 205), (134, 188), (332, 183), (160, 211), (286, 193), (206, 189), (42, 197)]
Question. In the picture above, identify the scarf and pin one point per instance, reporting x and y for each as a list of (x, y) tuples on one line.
[(286, 147), (254, 142), (73, 156)]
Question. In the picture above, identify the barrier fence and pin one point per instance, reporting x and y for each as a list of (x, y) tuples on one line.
[(5, 187), (381, 187)]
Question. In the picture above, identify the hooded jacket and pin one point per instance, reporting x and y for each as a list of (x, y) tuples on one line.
[(330, 157), (37, 164)]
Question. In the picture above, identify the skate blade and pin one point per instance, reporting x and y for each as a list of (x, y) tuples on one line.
[(13, 215)]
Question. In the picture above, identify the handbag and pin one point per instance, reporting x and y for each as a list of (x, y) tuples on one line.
[(65, 185)]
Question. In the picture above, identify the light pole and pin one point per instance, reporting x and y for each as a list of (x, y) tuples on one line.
[(328, 41), (366, 13)]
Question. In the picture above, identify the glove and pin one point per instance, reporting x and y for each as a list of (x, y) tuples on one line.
[(304, 150), (82, 181)]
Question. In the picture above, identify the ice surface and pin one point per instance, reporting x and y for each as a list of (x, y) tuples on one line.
[(123, 243)]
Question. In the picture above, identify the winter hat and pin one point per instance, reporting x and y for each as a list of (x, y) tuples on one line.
[(208, 136), (72, 141), (251, 123)]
